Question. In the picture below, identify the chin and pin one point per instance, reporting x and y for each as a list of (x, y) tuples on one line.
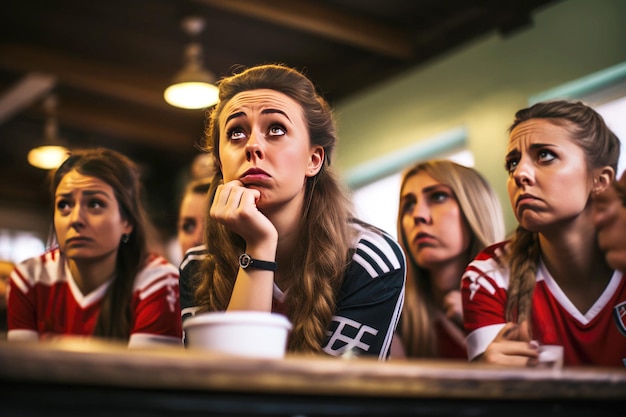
[(617, 260)]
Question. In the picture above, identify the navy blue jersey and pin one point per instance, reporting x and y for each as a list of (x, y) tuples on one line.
[(369, 301)]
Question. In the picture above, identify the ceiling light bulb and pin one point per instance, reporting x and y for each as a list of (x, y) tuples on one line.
[(48, 157), (191, 95)]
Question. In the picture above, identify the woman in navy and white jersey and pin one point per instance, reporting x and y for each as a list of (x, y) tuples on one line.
[(282, 236)]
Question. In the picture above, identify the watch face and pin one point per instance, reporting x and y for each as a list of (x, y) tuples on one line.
[(245, 260)]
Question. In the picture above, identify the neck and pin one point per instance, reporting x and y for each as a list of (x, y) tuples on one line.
[(574, 260), (90, 274), (446, 277)]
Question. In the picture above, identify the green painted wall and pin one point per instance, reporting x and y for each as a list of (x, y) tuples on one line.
[(481, 85)]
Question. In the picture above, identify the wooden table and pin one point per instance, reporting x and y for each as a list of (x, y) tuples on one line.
[(80, 378)]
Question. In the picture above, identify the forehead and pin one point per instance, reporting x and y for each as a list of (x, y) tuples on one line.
[(540, 131), (74, 181), (255, 101), (418, 181)]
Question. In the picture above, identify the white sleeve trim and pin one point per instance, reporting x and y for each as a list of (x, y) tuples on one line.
[(22, 335), (479, 339), (142, 340)]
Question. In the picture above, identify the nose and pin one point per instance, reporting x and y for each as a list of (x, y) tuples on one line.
[(76, 216), (421, 213), (523, 173), (254, 148)]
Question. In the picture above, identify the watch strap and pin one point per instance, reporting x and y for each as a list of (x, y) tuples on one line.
[(248, 262)]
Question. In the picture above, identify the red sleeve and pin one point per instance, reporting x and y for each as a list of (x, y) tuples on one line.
[(21, 303), (156, 305)]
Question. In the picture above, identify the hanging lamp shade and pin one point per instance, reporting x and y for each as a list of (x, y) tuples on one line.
[(51, 153), (193, 87)]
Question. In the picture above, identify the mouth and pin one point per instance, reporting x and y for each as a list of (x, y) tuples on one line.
[(525, 199), (424, 238), (254, 175), (77, 240)]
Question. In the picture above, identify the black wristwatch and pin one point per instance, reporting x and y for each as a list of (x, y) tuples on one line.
[(246, 261)]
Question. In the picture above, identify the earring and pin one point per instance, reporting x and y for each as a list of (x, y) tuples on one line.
[(125, 238)]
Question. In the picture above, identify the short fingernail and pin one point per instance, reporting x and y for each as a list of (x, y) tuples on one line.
[(534, 344)]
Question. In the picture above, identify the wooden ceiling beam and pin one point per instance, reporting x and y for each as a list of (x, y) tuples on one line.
[(143, 134), (326, 22), (106, 80)]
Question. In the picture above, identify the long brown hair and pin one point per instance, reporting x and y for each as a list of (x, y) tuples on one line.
[(118, 171), (601, 147), (319, 263), (482, 212)]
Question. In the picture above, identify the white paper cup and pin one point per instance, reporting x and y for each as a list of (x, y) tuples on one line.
[(551, 356), (241, 333)]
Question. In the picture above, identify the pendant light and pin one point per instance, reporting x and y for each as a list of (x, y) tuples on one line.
[(193, 87), (51, 153)]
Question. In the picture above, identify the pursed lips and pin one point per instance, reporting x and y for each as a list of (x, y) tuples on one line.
[(424, 238), (253, 174), (78, 239), (525, 198)]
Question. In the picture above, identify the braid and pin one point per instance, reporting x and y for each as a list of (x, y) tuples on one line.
[(523, 253), (311, 302)]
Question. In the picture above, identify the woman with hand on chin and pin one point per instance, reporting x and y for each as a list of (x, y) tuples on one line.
[(282, 237), (550, 284)]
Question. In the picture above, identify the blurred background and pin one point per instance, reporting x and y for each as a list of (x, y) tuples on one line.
[(408, 78)]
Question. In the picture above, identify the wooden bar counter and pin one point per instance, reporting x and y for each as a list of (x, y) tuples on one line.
[(93, 379)]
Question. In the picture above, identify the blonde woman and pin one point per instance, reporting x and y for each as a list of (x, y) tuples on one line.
[(550, 284), (447, 214), (281, 236)]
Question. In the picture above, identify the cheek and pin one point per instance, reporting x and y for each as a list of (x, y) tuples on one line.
[(456, 229), (511, 188)]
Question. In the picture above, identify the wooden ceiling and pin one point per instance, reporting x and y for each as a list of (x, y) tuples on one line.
[(108, 62)]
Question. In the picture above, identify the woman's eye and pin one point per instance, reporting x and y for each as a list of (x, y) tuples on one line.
[(276, 130), (188, 227), (62, 205), (407, 206), (510, 165), (439, 196), (236, 134), (96, 204), (545, 156)]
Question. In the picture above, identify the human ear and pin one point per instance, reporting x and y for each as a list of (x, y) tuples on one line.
[(602, 179), (316, 160)]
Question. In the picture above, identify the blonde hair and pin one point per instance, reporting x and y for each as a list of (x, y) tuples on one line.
[(482, 211), (319, 263), (601, 147)]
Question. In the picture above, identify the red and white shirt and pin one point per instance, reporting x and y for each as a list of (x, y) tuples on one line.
[(595, 337), (45, 302)]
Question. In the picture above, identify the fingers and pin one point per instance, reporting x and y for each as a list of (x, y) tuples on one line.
[(233, 200), (235, 207), (512, 346)]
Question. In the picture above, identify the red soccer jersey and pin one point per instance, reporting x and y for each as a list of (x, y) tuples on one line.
[(45, 302), (595, 337)]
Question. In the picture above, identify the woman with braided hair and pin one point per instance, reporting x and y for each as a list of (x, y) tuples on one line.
[(550, 284), (282, 237)]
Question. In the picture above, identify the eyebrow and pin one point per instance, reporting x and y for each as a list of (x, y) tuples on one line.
[(88, 193), (426, 190), (266, 111), (533, 146)]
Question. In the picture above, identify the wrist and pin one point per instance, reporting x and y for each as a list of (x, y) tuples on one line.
[(248, 262)]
